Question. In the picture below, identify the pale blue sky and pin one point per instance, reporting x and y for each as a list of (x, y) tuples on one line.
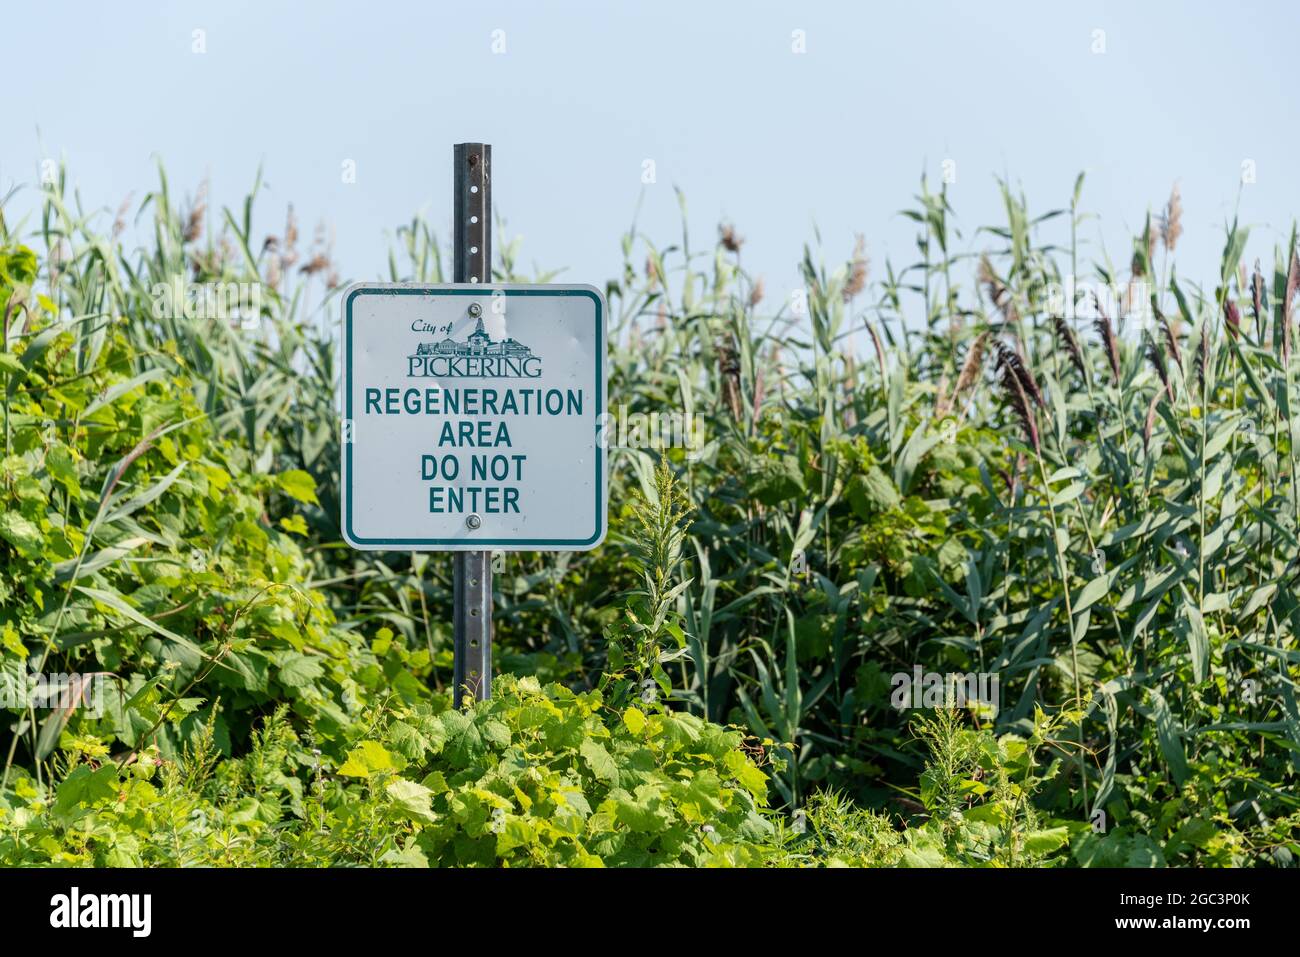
[(712, 92)]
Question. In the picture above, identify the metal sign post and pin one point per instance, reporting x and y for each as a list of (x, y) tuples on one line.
[(475, 418), (472, 586)]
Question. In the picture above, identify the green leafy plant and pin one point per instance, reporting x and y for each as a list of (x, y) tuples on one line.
[(1106, 519)]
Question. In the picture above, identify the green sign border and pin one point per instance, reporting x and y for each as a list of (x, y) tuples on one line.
[(480, 291)]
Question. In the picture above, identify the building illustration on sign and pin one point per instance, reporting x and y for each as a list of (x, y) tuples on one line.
[(477, 357)]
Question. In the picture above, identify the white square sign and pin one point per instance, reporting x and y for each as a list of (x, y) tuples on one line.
[(472, 417)]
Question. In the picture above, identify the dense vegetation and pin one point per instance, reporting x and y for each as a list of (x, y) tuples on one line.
[(1097, 506)]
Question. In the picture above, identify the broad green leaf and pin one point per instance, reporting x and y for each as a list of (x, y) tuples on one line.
[(366, 759), (22, 533), (298, 485), (634, 720), (1046, 841), (412, 800), (83, 788), (299, 670), (599, 761)]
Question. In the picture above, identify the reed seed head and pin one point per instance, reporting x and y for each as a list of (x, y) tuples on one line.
[(730, 239), (859, 269), (1171, 223)]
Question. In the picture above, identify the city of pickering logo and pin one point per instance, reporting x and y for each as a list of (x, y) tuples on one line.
[(478, 357)]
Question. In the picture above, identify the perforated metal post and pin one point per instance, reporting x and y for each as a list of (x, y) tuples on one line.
[(472, 588)]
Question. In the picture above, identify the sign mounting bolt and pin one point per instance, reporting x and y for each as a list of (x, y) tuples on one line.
[(473, 521), (475, 310)]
